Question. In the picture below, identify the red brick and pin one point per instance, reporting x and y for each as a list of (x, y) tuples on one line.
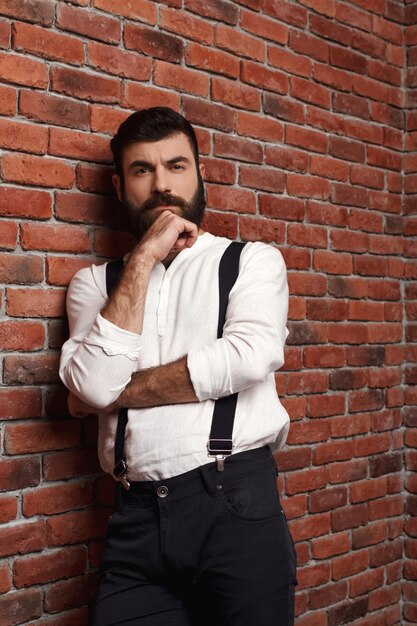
[(22, 538), (56, 238), (332, 451), (308, 186), (344, 58), (290, 62), (283, 108), (181, 79), (351, 105), (186, 25), (21, 335), (139, 96), (365, 310), (37, 437), (23, 71), (259, 127), (313, 576), (20, 403), (328, 167), (308, 92), (113, 244), (313, 526), (221, 224), (231, 199), (60, 270), (349, 517), (53, 565), (20, 606), (352, 241), (347, 149), (219, 171), (330, 29), (332, 262), (8, 236), (363, 130), (328, 214), (282, 207), (77, 527), (8, 512), (56, 499), (40, 12), (286, 158), (302, 235), (308, 480), (287, 12), (256, 74), (261, 178), (333, 77), (66, 594), (384, 158), (387, 30), (5, 35), (238, 43), (35, 302), (7, 100), (141, 10), (94, 179), (18, 474), (261, 230), (323, 356), (25, 137), (24, 269), (216, 9), (372, 534), (36, 170), (153, 43), (83, 207), (77, 145), (327, 595), (306, 284), (320, 406), (326, 547), (215, 61), (84, 85), (70, 464), (48, 44), (306, 138), (236, 147), (119, 62), (264, 27), (45, 107), (310, 431), (85, 22)]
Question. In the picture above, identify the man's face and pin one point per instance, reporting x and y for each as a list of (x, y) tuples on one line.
[(160, 175)]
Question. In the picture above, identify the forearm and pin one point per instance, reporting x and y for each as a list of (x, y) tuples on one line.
[(165, 384), (126, 306)]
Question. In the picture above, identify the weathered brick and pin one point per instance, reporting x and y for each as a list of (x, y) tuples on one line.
[(92, 25), (23, 70), (32, 570), (36, 170), (45, 107), (85, 85), (48, 44)]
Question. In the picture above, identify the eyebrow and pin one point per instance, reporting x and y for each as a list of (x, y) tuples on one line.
[(176, 159)]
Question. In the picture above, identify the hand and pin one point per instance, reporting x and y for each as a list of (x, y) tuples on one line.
[(168, 233)]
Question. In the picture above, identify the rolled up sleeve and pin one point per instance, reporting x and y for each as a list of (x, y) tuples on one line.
[(99, 358), (254, 334)]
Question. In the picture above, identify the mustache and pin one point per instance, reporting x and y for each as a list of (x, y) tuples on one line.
[(163, 199)]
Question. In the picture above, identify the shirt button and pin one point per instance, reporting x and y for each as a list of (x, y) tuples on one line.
[(162, 491)]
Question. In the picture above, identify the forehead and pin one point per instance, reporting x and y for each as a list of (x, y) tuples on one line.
[(158, 151)]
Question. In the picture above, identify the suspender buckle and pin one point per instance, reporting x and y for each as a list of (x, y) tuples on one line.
[(220, 449), (120, 474)]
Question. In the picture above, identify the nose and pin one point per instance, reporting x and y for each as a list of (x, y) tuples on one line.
[(161, 181)]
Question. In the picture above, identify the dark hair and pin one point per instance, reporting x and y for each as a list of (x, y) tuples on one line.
[(150, 124)]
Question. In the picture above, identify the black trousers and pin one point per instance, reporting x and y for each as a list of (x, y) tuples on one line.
[(201, 548)]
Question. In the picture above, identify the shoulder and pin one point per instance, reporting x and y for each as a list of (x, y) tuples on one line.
[(263, 255), (89, 279)]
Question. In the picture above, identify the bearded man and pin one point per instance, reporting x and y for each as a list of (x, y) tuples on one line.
[(175, 348)]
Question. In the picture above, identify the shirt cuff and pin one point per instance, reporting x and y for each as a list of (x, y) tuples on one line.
[(209, 372), (114, 340)]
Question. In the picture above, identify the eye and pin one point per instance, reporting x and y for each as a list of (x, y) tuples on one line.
[(177, 167), (141, 170)]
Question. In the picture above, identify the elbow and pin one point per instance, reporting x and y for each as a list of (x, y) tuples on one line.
[(90, 391)]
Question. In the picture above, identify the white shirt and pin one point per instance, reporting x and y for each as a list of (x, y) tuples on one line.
[(180, 318)]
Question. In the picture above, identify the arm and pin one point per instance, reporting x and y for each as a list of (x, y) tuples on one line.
[(98, 361), (251, 348), (165, 384)]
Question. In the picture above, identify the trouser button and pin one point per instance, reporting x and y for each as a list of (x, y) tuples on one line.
[(162, 491)]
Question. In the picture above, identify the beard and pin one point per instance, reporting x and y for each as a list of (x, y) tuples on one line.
[(140, 217)]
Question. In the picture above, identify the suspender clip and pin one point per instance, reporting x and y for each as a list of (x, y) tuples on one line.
[(220, 449), (120, 474)]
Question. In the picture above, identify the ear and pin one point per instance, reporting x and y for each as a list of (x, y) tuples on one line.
[(117, 185), (202, 169)]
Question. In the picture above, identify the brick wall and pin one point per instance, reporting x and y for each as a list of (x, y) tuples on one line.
[(305, 115), (410, 318)]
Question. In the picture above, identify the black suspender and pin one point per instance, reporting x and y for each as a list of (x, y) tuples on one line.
[(220, 443)]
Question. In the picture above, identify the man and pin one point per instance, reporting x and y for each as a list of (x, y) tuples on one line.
[(194, 539)]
